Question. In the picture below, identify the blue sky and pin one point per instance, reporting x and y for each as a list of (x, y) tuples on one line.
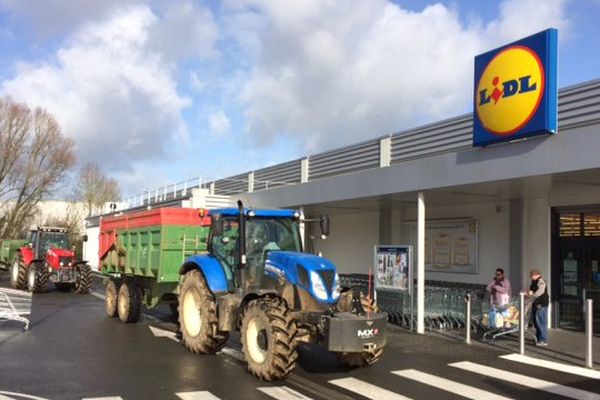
[(160, 91)]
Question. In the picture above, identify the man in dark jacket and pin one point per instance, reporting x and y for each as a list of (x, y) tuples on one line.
[(538, 292)]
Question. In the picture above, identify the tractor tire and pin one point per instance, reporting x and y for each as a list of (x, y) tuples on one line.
[(269, 339), (129, 302), (63, 287), (37, 278), (111, 297), (18, 272), (83, 283), (363, 359), (198, 321)]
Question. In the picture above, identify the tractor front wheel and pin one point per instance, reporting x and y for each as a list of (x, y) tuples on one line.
[(111, 299), (37, 278), (269, 339), (18, 272), (83, 282), (198, 319), (129, 302)]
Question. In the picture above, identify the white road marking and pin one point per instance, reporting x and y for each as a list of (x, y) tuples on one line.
[(527, 381), (460, 389), (163, 333), (98, 295), (204, 395), (366, 389), (571, 369), (4, 396), (283, 393), (238, 355), (103, 398)]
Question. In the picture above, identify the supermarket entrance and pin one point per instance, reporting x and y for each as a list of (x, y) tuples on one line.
[(576, 265)]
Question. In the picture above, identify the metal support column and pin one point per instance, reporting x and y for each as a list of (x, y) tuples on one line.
[(468, 319), (589, 333), (421, 263), (522, 326)]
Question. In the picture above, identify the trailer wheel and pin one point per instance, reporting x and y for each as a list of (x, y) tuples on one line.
[(198, 319), (269, 339), (356, 360), (18, 272), (63, 287), (129, 302), (111, 299), (37, 277), (83, 283)]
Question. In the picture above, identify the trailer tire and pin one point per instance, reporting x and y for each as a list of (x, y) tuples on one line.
[(198, 320), (37, 277), (83, 283), (18, 272), (268, 337), (111, 297), (364, 359), (129, 302)]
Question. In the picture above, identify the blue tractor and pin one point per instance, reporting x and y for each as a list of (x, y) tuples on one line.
[(257, 279)]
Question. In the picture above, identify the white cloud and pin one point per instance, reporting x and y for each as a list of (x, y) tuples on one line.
[(334, 77), (113, 85), (218, 123)]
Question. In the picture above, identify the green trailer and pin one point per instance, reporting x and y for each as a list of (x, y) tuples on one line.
[(8, 249), (146, 249)]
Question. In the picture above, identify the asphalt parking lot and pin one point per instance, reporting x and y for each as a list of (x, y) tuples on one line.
[(74, 351)]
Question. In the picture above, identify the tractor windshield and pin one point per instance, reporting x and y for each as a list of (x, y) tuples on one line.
[(58, 240)]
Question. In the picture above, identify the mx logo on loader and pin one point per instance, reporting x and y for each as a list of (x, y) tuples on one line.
[(515, 90)]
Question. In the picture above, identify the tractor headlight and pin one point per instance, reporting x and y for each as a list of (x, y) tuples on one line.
[(318, 287), (337, 288), (62, 264)]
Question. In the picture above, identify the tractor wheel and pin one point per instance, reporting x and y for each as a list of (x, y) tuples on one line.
[(63, 287), (129, 302), (269, 339), (111, 299), (355, 360), (18, 272), (198, 319), (37, 278), (83, 283)]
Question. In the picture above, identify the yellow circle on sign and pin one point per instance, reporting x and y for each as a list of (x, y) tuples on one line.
[(510, 90)]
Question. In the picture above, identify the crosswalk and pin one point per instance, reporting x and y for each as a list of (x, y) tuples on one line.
[(475, 374)]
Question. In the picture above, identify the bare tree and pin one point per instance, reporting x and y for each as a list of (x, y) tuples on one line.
[(94, 188), (34, 159), (72, 220)]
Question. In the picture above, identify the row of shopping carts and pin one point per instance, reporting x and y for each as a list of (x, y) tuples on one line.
[(446, 308)]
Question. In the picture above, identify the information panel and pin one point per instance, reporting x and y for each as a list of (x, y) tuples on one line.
[(393, 267)]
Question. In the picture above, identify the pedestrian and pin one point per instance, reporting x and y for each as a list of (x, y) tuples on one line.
[(500, 292), (538, 293)]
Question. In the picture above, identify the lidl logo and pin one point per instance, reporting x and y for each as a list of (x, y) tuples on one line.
[(515, 90)]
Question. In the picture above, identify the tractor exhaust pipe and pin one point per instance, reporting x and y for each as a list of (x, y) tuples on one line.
[(242, 234)]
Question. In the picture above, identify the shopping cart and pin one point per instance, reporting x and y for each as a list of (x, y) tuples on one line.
[(504, 320), (14, 304)]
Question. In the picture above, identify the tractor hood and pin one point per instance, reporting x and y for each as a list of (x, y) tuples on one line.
[(315, 274), (58, 258)]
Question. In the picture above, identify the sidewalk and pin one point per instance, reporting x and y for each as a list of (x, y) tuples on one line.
[(563, 346)]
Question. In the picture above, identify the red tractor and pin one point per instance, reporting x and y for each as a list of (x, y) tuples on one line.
[(48, 258)]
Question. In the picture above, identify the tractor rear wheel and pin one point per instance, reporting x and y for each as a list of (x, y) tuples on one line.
[(18, 272), (363, 359), (269, 339), (37, 277), (83, 282), (111, 299), (129, 302), (198, 319), (63, 286)]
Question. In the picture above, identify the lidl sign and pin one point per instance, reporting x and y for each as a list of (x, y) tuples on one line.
[(516, 90)]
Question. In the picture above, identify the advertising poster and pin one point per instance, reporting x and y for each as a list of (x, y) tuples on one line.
[(450, 246), (393, 267)]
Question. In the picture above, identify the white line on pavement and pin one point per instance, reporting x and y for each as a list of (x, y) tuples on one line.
[(571, 369), (283, 393), (527, 381), (238, 355), (460, 389), (203, 395), (19, 395), (104, 398), (163, 333), (366, 389), (98, 295)]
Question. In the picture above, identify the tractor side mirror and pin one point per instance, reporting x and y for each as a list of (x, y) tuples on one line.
[(217, 226), (84, 238), (324, 226)]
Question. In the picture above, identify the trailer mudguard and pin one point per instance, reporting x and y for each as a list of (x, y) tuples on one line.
[(216, 275)]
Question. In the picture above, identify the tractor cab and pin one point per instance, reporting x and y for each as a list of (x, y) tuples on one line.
[(52, 245)]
